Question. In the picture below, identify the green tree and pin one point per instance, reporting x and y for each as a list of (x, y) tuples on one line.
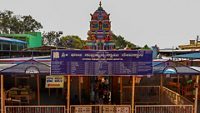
[(51, 38), (121, 43), (72, 41), (146, 47), (5, 21), (29, 24), (10, 23)]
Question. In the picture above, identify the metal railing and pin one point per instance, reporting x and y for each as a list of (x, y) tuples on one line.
[(144, 95), (163, 109), (35, 109), (100, 109), (174, 98)]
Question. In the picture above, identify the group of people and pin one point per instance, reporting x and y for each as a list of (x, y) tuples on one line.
[(101, 92)]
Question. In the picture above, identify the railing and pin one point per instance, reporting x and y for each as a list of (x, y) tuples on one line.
[(143, 95), (174, 98), (100, 109), (35, 109), (163, 109)]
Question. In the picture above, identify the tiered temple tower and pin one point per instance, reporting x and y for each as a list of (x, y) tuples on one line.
[(100, 38), (100, 34)]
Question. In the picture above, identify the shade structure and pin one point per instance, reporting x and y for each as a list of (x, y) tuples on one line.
[(12, 40), (169, 71), (173, 67), (195, 55), (28, 67)]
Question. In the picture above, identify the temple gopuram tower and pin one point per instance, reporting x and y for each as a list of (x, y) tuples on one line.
[(100, 34)]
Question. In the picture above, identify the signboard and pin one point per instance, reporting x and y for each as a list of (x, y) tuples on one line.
[(54, 81), (93, 62)]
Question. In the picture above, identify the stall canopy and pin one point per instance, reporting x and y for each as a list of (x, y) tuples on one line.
[(173, 67), (189, 56), (28, 67)]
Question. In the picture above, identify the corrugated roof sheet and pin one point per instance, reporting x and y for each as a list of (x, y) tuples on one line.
[(4, 66), (31, 65), (12, 40), (179, 68), (189, 55)]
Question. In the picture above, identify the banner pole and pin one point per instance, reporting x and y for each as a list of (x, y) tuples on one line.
[(38, 89), (121, 89), (2, 95), (133, 93), (68, 93), (161, 87), (196, 94)]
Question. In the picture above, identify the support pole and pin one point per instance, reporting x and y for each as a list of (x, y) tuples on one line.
[(2, 95), (49, 89), (133, 94), (121, 89), (15, 81), (161, 81), (196, 94), (79, 87), (38, 89), (178, 84), (161, 88), (68, 93)]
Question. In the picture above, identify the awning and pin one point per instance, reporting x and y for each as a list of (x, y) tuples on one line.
[(28, 67), (189, 56), (172, 67), (12, 40)]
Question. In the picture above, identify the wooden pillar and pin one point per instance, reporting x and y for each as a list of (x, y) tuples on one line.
[(79, 87), (161, 87), (133, 94), (161, 81), (68, 93), (2, 94), (178, 84), (38, 89), (121, 89), (196, 94), (15, 81), (49, 90)]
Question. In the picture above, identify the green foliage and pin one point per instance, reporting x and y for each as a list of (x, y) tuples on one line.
[(146, 47), (121, 43), (72, 41), (10, 23), (51, 38), (29, 24)]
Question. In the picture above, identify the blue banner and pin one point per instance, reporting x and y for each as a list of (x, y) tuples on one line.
[(93, 62)]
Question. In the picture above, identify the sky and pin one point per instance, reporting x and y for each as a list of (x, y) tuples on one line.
[(167, 23)]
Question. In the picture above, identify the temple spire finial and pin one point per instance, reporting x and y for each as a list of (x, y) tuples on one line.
[(100, 4)]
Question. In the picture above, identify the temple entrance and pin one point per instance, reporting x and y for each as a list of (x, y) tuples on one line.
[(100, 90)]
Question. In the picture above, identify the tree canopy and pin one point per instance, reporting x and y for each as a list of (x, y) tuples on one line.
[(10, 23), (146, 47), (121, 43), (51, 38), (72, 41)]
